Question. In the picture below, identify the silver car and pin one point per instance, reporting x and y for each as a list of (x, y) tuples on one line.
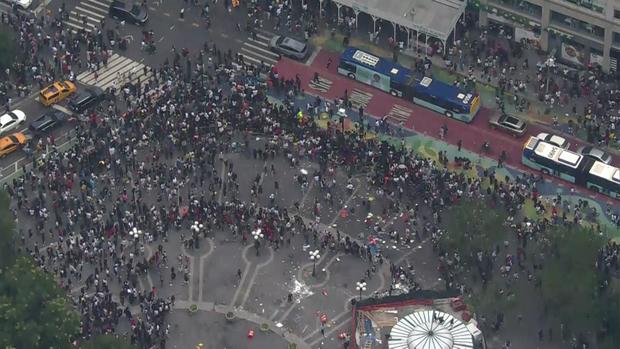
[(554, 139), (289, 47), (595, 153)]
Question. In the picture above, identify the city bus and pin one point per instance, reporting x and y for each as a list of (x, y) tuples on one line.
[(572, 167), (375, 71), (604, 179), (401, 82), (555, 161), (445, 99)]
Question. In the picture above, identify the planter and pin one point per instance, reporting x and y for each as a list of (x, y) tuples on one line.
[(193, 308), (230, 316), (264, 327), (292, 346)]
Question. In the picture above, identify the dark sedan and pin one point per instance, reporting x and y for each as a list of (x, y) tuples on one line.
[(86, 98), (47, 121), (508, 123), (131, 13)]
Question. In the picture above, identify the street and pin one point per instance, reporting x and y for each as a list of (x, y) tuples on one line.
[(191, 187)]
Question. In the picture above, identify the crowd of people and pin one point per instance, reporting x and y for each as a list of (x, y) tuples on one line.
[(149, 160)]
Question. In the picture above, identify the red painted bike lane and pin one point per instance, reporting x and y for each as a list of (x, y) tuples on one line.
[(377, 104)]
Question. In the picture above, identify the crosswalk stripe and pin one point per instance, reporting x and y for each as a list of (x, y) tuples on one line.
[(94, 7), (78, 27), (399, 113), (78, 21), (122, 73), (81, 9), (250, 58), (261, 49), (88, 72), (263, 58), (262, 43), (118, 67), (264, 37), (112, 67), (360, 98), (104, 3), (322, 85), (114, 71)]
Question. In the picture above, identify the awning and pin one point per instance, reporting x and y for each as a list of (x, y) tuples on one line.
[(436, 18)]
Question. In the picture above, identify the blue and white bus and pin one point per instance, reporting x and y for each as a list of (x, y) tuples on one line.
[(446, 99), (572, 167), (375, 71), (401, 82)]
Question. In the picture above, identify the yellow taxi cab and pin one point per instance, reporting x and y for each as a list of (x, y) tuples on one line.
[(11, 143), (56, 92)]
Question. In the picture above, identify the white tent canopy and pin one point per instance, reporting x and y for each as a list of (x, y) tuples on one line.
[(430, 329), (436, 18)]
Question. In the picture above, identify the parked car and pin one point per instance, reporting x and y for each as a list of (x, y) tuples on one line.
[(289, 47), (508, 123), (47, 121), (595, 153), (86, 98), (132, 13), (56, 92), (11, 120), (24, 4), (554, 139), (11, 143)]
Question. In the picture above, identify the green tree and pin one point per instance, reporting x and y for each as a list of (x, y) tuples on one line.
[(570, 281), (34, 312), (107, 342), (7, 50), (7, 232), (472, 226)]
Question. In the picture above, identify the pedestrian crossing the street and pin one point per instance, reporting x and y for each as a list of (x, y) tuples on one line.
[(119, 70), (321, 85), (399, 114), (359, 98), (88, 15), (256, 50)]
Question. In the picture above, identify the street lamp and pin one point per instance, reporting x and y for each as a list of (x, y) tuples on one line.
[(135, 233), (314, 256), (361, 286), (549, 63), (196, 228), (257, 234)]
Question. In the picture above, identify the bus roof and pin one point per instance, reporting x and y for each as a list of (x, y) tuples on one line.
[(558, 154), (381, 65), (446, 91), (605, 171), (531, 143)]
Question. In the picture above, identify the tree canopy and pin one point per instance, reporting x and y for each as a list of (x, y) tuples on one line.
[(7, 50), (7, 232), (472, 226), (34, 312), (570, 280), (107, 342)]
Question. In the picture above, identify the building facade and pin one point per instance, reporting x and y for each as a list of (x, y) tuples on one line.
[(577, 32)]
